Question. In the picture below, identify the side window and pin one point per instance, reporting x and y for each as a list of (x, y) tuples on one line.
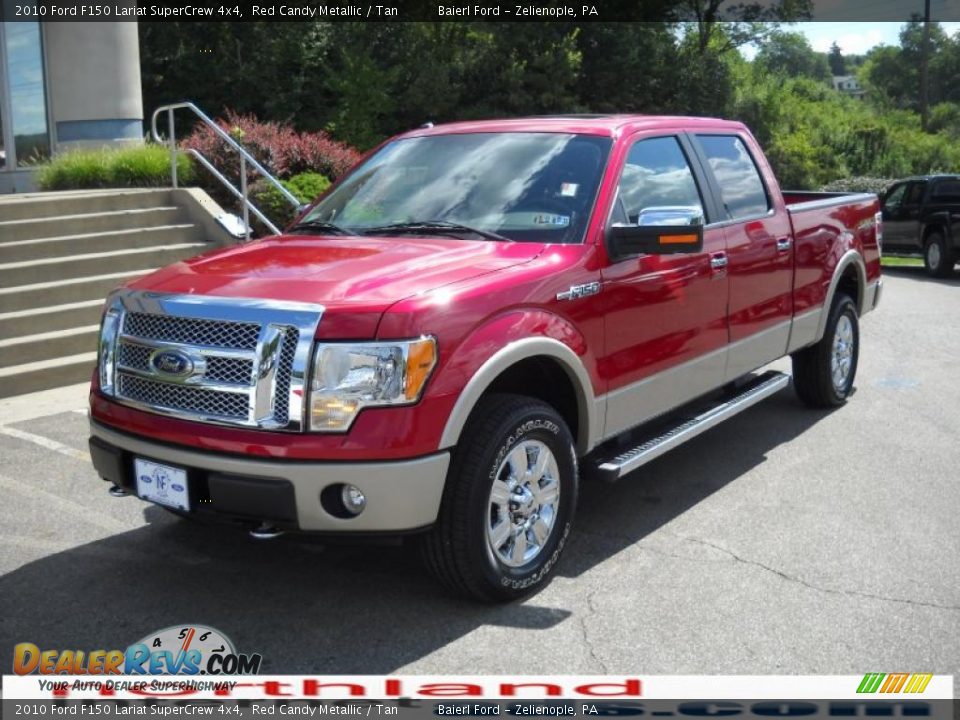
[(948, 191), (895, 197), (915, 197), (657, 186), (741, 188)]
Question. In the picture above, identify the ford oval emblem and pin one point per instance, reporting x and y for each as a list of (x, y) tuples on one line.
[(171, 362)]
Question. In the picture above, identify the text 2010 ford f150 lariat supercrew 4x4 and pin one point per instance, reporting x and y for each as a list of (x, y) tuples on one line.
[(474, 318)]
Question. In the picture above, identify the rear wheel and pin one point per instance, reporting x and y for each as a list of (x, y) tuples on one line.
[(823, 374), (938, 258), (509, 501)]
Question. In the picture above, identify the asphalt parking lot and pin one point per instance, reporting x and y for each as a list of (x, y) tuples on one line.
[(784, 541)]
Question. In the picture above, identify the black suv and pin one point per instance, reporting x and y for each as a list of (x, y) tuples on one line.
[(922, 215)]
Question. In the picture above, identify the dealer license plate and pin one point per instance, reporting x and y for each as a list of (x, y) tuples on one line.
[(162, 484)]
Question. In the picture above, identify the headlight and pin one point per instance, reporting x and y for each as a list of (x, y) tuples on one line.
[(109, 328), (349, 377)]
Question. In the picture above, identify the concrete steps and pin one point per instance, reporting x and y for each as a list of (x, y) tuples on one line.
[(110, 240), (55, 343), (58, 292), (31, 206), (60, 255), (55, 317), (87, 223), (46, 374), (77, 266)]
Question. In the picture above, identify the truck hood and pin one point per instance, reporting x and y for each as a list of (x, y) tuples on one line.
[(338, 272)]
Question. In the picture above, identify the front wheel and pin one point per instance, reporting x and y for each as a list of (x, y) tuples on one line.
[(509, 501), (938, 258), (823, 374)]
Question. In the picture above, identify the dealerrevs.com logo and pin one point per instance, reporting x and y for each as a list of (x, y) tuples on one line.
[(177, 650)]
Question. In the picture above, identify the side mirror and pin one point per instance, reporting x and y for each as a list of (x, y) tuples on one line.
[(659, 231)]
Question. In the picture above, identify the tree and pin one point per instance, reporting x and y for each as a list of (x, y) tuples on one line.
[(270, 69), (720, 29), (790, 54), (838, 65), (945, 71), (893, 73), (641, 79)]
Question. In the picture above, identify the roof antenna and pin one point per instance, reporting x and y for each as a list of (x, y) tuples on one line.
[(427, 124)]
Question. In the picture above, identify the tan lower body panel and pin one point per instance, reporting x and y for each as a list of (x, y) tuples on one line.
[(401, 495)]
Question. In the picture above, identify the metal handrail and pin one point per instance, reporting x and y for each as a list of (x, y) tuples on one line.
[(245, 159)]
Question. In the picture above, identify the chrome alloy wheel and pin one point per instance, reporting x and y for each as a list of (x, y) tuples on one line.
[(841, 359), (523, 503)]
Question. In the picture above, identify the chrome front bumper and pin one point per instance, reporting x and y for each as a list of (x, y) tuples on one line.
[(401, 495)]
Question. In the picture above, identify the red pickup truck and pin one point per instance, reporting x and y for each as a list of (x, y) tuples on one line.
[(473, 319)]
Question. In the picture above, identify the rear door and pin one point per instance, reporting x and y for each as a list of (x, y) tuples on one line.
[(759, 244), (665, 315)]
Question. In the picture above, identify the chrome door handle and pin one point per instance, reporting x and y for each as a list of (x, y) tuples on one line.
[(783, 244), (718, 261)]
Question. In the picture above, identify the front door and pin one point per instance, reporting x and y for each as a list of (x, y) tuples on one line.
[(666, 315), (901, 214)]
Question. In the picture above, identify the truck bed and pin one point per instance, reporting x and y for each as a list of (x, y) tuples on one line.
[(820, 223), (803, 200)]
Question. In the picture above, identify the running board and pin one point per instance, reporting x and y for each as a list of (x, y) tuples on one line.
[(756, 390)]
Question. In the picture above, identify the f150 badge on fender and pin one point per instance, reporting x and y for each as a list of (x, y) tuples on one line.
[(579, 291)]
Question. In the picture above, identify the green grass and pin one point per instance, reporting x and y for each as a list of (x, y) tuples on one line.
[(132, 166), (892, 261)]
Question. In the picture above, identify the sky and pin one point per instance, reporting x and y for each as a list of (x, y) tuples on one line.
[(854, 38)]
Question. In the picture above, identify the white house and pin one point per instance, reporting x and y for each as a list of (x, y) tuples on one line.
[(849, 85)]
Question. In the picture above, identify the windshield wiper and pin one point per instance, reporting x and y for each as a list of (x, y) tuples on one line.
[(435, 227), (322, 227)]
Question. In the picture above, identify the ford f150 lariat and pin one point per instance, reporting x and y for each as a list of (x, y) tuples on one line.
[(473, 319)]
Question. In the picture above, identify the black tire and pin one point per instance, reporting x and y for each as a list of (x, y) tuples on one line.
[(458, 550), (938, 257), (812, 367)]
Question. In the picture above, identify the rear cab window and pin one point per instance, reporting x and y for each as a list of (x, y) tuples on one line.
[(741, 187), (946, 191)]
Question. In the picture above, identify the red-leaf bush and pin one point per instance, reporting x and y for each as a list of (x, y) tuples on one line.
[(283, 151)]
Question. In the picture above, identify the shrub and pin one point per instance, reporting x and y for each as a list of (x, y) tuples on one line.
[(859, 184), (147, 166), (306, 187), (283, 151), (125, 167), (81, 169)]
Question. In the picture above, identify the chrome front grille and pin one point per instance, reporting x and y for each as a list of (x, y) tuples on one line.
[(238, 371), (281, 408), (184, 397), (218, 360), (241, 335), (134, 357), (230, 370)]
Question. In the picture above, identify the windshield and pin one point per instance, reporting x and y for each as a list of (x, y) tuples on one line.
[(534, 187)]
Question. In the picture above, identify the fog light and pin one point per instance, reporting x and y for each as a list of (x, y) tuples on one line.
[(353, 499)]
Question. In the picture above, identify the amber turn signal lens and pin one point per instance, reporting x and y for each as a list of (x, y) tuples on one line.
[(421, 359), (679, 239)]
